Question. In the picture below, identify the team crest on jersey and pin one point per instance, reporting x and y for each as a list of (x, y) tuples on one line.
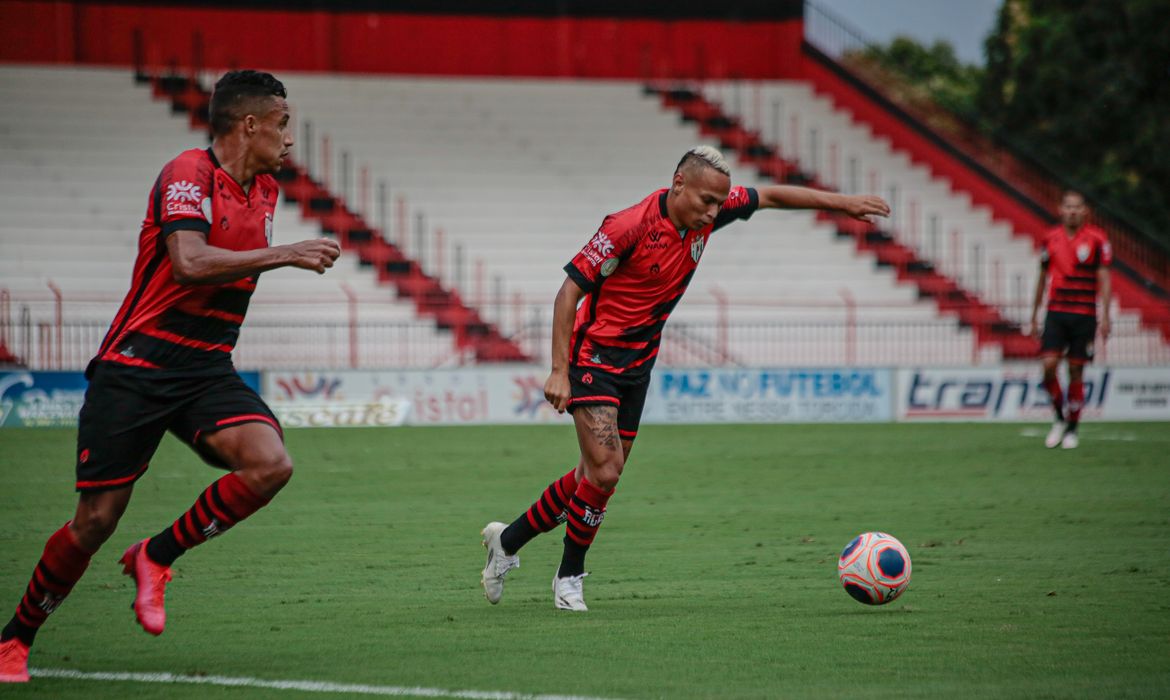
[(609, 266), (697, 247), (1083, 252)]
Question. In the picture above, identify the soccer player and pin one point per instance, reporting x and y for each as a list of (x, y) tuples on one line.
[(630, 274), (1076, 255), (165, 363)]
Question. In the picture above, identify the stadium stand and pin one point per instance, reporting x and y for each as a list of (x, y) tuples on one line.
[(468, 196), (960, 253), (74, 191)]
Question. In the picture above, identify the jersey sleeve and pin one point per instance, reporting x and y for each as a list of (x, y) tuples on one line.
[(1105, 253), (741, 203), (183, 195), (601, 255)]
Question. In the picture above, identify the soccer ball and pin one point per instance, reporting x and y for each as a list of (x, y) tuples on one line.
[(874, 568)]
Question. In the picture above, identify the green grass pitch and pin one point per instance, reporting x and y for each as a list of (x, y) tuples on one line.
[(1037, 573)]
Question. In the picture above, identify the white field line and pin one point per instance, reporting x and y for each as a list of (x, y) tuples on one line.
[(1093, 436), (304, 686)]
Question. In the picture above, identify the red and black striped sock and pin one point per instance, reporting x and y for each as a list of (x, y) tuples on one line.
[(1076, 401), (544, 515), (61, 566), (585, 513), (1052, 386), (224, 503)]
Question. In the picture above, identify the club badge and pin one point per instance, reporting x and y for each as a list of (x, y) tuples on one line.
[(697, 247)]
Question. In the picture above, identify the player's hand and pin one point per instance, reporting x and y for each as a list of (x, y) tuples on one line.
[(1034, 329), (1105, 328), (556, 390), (863, 206), (317, 254)]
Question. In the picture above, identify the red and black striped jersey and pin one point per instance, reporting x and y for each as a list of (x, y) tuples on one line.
[(1072, 264), (190, 329), (634, 271)]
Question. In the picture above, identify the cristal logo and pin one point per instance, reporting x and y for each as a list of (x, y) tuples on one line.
[(184, 191), (602, 244)]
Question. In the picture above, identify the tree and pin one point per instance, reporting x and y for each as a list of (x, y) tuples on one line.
[(1085, 84)]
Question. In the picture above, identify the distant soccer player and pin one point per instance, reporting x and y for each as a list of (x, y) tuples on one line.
[(1076, 255), (165, 363), (631, 274)]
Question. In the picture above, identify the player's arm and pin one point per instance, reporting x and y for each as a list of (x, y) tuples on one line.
[(1038, 297), (556, 388), (195, 261), (1105, 284), (860, 206)]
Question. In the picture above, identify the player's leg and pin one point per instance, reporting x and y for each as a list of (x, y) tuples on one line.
[(1052, 346), (119, 429), (606, 435), (544, 515), (230, 427), (1080, 352), (604, 460), (503, 542), (63, 562)]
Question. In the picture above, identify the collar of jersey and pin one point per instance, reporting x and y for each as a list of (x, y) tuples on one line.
[(666, 214)]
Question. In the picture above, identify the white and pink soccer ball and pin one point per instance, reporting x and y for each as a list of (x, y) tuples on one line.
[(874, 568)]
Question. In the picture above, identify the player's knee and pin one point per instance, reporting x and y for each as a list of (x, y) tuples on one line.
[(607, 474), (268, 474), (93, 526)]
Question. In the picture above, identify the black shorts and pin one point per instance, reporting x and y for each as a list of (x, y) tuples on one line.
[(127, 411), (590, 386), (1072, 332)]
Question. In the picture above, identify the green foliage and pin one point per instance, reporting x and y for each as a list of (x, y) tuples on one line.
[(1086, 84), (935, 69), (1080, 86), (1037, 573)]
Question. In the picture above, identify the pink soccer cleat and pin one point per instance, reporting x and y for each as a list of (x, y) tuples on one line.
[(13, 661), (152, 580)]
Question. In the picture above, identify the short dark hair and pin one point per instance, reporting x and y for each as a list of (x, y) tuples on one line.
[(235, 93)]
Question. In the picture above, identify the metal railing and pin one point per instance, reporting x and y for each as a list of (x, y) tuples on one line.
[(723, 332)]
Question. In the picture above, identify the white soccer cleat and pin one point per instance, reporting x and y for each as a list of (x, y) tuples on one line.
[(498, 563), (568, 593), (1055, 435), (1069, 441)]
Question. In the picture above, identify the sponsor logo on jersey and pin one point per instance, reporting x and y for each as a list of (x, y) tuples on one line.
[(184, 191), (601, 243)]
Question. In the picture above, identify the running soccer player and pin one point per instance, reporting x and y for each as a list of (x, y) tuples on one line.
[(1076, 255), (165, 363), (631, 274)]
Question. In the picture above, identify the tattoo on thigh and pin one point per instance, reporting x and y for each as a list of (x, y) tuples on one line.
[(603, 425)]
